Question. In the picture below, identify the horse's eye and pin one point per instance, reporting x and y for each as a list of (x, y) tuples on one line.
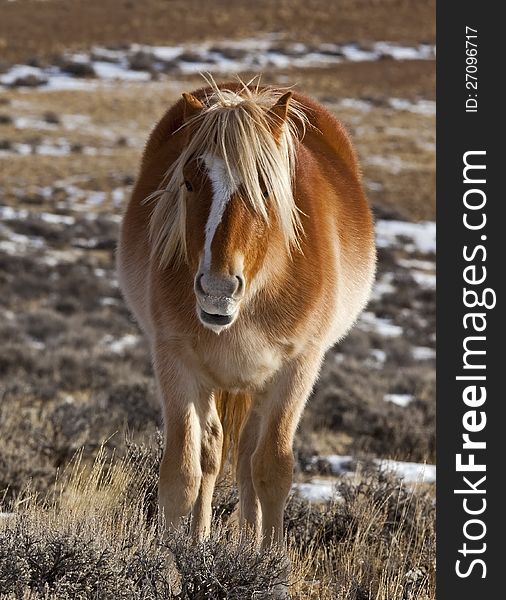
[(266, 193), (188, 185)]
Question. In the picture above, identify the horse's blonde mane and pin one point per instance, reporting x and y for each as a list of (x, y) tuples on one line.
[(236, 126)]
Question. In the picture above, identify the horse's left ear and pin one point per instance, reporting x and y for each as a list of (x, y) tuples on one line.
[(192, 106), (279, 111)]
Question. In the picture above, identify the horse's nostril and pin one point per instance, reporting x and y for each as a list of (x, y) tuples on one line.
[(218, 285), (198, 284), (240, 285)]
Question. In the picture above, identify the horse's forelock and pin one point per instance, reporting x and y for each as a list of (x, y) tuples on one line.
[(237, 128)]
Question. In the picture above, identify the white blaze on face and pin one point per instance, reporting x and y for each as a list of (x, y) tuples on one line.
[(223, 187)]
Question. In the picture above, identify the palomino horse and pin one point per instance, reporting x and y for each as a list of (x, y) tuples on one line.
[(246, 251)]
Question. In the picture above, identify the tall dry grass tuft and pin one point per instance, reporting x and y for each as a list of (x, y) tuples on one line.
[(95, 537), (375, 541), (83, 540)]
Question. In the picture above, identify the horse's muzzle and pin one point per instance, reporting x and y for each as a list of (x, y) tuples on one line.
[(218, 298)]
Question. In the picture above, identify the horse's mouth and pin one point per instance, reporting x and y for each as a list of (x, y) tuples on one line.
[(215, 319)]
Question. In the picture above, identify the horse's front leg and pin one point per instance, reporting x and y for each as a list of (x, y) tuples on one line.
[(250, 516), (280, 408), (210, 462), (180, 467)]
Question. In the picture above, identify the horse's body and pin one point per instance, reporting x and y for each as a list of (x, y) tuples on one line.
[(240, 300)]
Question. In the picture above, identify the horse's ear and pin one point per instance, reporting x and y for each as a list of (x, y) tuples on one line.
[(192, 106), (279, 111)]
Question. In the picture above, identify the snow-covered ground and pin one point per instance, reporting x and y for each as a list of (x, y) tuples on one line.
[(420, 237), (399, 399), (138, 62), (419, 106), (322, 490), (118, 346), (370, 322), (408, 471)]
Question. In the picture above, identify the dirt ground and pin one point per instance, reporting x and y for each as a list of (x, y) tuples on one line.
[(32, 28)]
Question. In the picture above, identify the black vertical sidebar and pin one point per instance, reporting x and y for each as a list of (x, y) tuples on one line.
[(459, 132)]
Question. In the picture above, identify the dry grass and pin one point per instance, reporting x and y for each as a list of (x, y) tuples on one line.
[(25, 25), (94, 536)]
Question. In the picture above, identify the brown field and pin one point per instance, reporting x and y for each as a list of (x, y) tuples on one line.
[(77, 399), (39, 29)]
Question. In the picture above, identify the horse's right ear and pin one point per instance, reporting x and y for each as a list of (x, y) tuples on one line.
[(192, 106), (278, 113)]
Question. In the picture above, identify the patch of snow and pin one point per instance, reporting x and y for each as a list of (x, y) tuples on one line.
[(165, 53), (399, 399), (96, 198), (355, 53), (36, 344), (111, 71), (58, 147), (57, 219), (370, 322), (8, 213), (339, 465), (414, 263), (72, 122), (108, 301), (374, 186), (383, 286), (226, 56), (355, 104), (51, 258), (16, 243), (107, 54), (421, 107), (393, 163), (420, 52), (316, 490), (409, 472), (118, 196), (32, 123), (58, 81), (17, 148), (380, 356), (423, 353), (425, 280), (422, 235), (80, 57), (21, 71), (85, 242), (118, 346)]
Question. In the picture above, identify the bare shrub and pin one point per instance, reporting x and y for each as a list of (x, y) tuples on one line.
[(376, 533), (227, 567)]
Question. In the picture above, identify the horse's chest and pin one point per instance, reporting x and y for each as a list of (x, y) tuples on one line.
[(245, 365)]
